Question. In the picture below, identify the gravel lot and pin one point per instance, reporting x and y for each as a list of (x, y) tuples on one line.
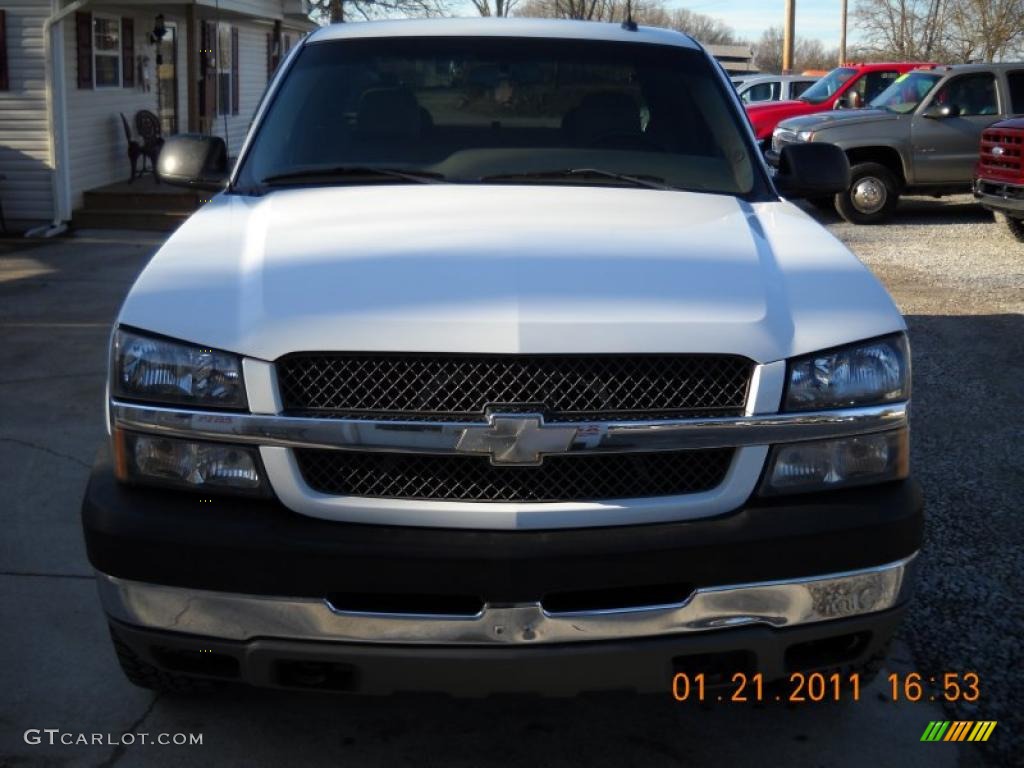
[(957, 276)]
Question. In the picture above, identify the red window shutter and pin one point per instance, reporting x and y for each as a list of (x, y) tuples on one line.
[(235, 79), (83, 36), (128, 52), (4, 83)]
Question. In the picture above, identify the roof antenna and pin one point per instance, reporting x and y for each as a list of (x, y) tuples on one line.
[(628, 24)]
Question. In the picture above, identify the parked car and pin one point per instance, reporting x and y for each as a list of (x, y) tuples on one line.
[(919, 137), (538, 386), (847, 87), (764, 88), (999, 185)]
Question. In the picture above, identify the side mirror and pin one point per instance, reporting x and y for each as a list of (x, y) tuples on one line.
[(812, 170), (843, 102), (939, 111), (194, 160)]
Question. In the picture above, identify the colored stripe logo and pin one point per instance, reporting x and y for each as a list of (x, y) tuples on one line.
[(958, 730)]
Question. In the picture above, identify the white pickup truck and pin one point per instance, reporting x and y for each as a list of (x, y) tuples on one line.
[(498, 363)]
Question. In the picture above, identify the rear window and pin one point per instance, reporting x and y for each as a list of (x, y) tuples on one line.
[(1016, 80), (796, 89), (767, 91), (826, 88), (467, 108)]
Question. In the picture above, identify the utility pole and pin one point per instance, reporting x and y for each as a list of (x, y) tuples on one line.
[(842, 34), (788, 38)]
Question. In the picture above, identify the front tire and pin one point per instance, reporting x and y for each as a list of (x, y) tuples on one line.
[(872, 197), (1016, 226), (823, 204)]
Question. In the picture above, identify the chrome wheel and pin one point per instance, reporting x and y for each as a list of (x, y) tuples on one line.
[(869, 194)]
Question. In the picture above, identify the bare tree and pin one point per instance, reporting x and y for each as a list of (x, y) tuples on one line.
[(812, 54), (905, 29), (768, 50), (349, 10), (808, 53), (946, 30), (986, 29), (498, 8), (706, 29)]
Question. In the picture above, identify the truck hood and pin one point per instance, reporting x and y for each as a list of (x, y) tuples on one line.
[(838, 118), (506, 269), (764, 117)]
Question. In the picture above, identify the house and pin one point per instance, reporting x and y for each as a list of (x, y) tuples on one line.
[(735, 59), (70, 68)]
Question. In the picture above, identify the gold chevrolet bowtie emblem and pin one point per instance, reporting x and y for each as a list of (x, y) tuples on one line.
[(516, 439)]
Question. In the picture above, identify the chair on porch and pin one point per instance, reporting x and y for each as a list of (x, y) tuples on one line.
[(134, 149), (148, 127)]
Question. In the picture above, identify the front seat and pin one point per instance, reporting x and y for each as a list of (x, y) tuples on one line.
[(388, 114), (604, 118)]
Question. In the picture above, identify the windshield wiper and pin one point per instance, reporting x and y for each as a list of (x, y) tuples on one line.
[(650, 182), (345, 172)]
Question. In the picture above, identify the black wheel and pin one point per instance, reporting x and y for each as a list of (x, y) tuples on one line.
[(825, 204), (872, 197), (145, 675), (1016, 226)]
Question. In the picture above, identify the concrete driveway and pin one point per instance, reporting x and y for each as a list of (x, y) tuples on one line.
[(57, 301)]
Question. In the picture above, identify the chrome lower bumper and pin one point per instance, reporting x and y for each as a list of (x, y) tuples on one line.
[(243, 617)]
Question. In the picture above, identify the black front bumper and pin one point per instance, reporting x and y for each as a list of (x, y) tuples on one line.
[(1000, 196), (645, 664), (258, 546)]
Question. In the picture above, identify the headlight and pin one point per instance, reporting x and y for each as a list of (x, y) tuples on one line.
[(823, 465), (196, 465), (162, 371), (868, 373), (805, 135)]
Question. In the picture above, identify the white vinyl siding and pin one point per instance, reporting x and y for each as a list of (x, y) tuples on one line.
[(97, 151), (96, 148), (252, 80), (25, 157)]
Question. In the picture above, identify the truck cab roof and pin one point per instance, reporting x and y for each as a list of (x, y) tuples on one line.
[(504, 27)]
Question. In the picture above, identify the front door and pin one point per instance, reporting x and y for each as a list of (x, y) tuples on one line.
[(946, 148), (167, 80)]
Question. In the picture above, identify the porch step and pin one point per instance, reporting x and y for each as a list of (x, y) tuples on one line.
[(128, 218), (164, 202)]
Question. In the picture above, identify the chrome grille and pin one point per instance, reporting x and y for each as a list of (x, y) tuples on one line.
[(1009, 165), (563, 387), (475, 479)]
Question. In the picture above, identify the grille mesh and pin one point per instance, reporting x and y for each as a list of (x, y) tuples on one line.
[(563, 387), (474, 478)]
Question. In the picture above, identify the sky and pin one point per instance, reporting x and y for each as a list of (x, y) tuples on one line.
[(814, 18), (749, 18)]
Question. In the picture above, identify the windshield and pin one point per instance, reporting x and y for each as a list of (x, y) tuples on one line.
[(466, 109), (826, 88), (906, 92)]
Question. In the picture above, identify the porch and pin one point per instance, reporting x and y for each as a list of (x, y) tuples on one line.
[(141, 204), (191, 65)]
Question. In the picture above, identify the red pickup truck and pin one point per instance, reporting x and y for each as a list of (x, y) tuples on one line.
[(847, 87), (1000, 173)]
